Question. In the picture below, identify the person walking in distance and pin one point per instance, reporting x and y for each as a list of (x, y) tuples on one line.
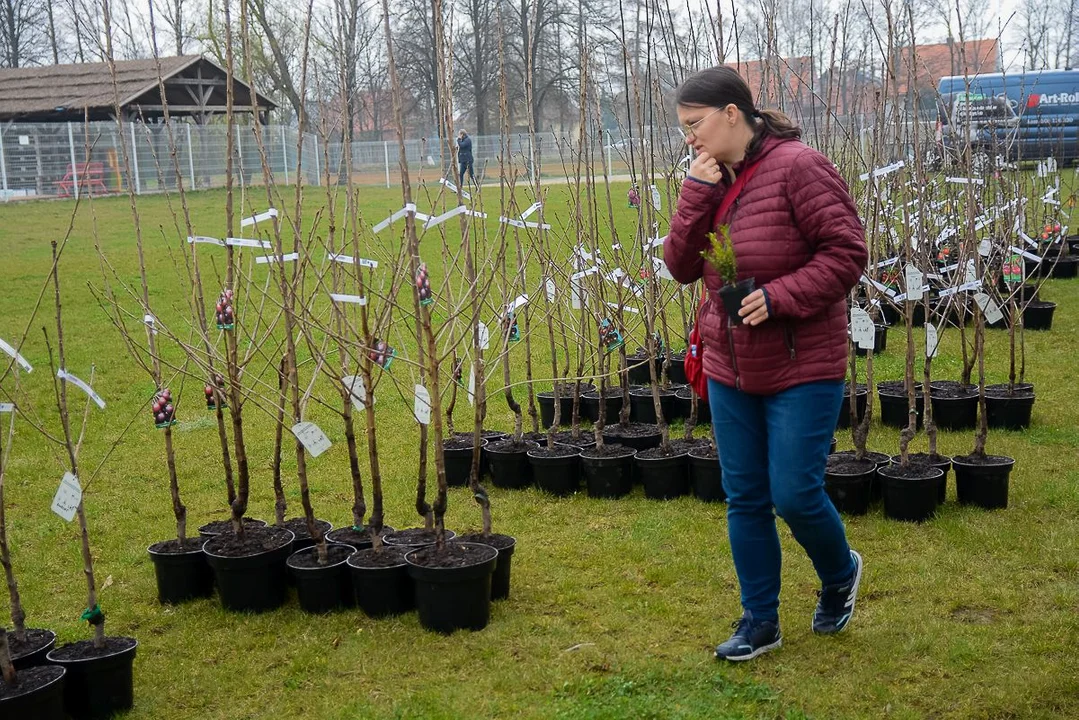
[(775, 371), (464, 158)]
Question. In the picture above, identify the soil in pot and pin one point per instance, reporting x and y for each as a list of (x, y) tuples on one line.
[(608, 470), (880, 341), (250, 572), (509, 463), (380, 581), (453, 585), (1009, 408), (32, 651), (664, 475), (1039, 315), (982, 480), (556, 470), (849, 483), (639, 436), (941, 462), (181, 572), (586, 439), (358, 538), (861, 400), (893, 403), (303, 539), (955, 406), (705, 475), (98, 682), (878, 458), (222, 527), (590, 405), (38, 696), (910, 493), (415, 537), (457, 452), (322, 588), (505, 545)]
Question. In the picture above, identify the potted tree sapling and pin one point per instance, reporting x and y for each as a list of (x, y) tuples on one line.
[(99, 678)]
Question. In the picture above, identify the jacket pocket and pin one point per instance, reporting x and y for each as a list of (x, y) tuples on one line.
[(788, 339)]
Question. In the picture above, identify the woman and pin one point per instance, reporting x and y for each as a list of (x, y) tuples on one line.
[(775, 373)]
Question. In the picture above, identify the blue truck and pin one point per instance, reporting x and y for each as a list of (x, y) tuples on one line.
[(1027, 116)]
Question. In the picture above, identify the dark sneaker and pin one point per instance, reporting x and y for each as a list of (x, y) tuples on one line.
[(836, 604), (750, 639)]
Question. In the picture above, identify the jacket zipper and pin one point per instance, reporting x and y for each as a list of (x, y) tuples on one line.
[(789, 336), (734, 357)]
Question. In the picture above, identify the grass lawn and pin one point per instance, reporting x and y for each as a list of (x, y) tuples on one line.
[(615, 605)]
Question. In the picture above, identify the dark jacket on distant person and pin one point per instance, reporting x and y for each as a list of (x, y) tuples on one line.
[(464, 149)]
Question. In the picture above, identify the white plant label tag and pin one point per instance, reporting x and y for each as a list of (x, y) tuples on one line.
[(81, 385), (472, 386), (575, 294), (1024, 253), (862, 331), (151, 323), (18, 358), (932, 340), (68, 496), (261, 217), (989, 307), (354, 299), (311, 437), (248, 242), (7, 407), (264, 259), (971, 273), (192, 239), (484, 336), (438, 220), (657, 199), (549, 285), (914, 280), (421, 407), (532, 208), (349, 260), (521, 301), (357, 391), (985, 248)]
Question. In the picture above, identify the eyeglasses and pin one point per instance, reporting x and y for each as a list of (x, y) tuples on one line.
[(691, 129)]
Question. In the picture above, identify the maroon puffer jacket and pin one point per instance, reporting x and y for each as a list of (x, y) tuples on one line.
[(796, 231)]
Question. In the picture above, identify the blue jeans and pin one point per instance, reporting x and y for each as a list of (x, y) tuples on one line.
[(773, 450)]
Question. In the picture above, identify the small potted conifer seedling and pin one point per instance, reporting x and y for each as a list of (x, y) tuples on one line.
[(720, 255)]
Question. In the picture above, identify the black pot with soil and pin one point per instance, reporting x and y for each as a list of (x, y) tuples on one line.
[(1039, 315), (453, 585), (381, 582), (685, 400), (880, 341), (505, 545), (849, 483), (955, 406), (638, 368), (38, 696), (250, 572), (732, 297), (182, 572), (878, 458), (358, 538), (894, 411), (861, 399), (565, 402), (457, 452), (1065, 267), (607, 471), (941, 462), (590, 405), (705, 475), (224, 527), (556, 470), (643, 407), (676, 371), (1009, 407), (301, 537), (32, 651), (664, 475), (983, 480), (910, 493), (586, 439), (322, 588), (639, 436), (416, 537), (99, 681), (509, 463)]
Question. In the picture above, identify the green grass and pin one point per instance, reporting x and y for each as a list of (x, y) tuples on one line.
[(615, 605)]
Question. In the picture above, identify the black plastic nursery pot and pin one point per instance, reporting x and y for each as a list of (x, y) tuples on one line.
[(556, 470), (638, 372), (32, 652), (39, 695), (590, 406), (860, 402), (1065, 268), (458, 457), (955, 406), (586, 439), (98, 683), (1009, 408), (322, 588), (880, 341), (416, 537), (911, 493), (182, 572), (705, 476), (505, 545), (685, 400), (358, 538), (380, 581), (546, 404), (676, 370), (643, 407), (1039, 315), (733, 295), (453, 585), (849, 484), (940, 462), (608, 471), (301, 535), (509, 464), (664, 476), (894, 411), (983, 481), (250, 573), (639, 436), (224, 527)]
